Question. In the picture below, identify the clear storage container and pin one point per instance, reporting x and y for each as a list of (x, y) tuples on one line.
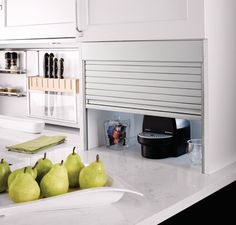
[(117, 134)]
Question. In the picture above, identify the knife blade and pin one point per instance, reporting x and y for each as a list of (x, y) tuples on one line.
[(60, 94), (55, 75), (45, 75), (50, 69)]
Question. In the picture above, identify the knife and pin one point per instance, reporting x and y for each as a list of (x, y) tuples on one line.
[(50, 69), (55, 68), (59, 96), (45, 75), (50, 65), (55, 75), (61, 69)]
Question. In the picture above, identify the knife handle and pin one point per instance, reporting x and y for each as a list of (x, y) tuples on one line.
[(50, 65), (45, 65), (55, 67), (61, 61)]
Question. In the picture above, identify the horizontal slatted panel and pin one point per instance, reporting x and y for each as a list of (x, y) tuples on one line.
[(144, 96), (146, 69), (143, 111), (144, 89), (146, 76), (143, 63), (169, 87), (92, 98), (147, 107), (146, 83)]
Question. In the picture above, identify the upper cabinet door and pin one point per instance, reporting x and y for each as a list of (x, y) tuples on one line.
[(141, 20), (29, 19)]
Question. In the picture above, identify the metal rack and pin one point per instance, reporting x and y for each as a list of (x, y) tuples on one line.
[(9, 71), (17, 94)]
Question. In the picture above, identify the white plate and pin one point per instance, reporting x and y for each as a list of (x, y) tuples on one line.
[(75, 199)]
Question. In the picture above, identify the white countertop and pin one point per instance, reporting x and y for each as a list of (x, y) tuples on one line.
[(169, 186), (10, 137)]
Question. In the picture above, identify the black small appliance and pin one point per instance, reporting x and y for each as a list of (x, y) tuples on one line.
[(163, 137)]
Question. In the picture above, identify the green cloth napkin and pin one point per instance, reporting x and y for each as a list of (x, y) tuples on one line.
[(37, 144)]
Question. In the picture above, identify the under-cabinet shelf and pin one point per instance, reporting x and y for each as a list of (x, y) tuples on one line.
[(37, 83), (9, 71), (17, 94)]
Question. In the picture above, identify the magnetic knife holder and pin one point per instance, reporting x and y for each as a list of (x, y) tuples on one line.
[(51, 84)]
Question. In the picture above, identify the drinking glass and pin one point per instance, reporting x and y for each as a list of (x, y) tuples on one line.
[(195, 151)]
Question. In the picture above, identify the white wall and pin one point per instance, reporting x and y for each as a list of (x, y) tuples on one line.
[(220, 84)]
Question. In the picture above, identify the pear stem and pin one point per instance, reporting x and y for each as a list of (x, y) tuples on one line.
[(44, 156), (35, 165), (61, 162), (2, 160), (74, 150), (25, 169), (97, 158)]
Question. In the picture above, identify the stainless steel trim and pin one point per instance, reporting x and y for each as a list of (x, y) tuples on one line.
[(76, 18)]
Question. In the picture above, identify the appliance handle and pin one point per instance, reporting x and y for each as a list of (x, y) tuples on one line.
[(77, 18)]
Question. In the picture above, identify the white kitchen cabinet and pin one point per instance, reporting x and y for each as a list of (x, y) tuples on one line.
[(140, 20), (158, 78), (216, 59), (181, 79), (27, 19)]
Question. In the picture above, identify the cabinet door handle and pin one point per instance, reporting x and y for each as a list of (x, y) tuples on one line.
[(76, 18)]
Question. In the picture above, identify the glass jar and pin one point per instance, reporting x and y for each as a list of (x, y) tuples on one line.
[(7, 60), (13, 61)]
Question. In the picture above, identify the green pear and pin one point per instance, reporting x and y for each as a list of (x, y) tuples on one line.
[(13, 175), (55, 182), (93, 175), (29, 169), (42, 167), (32, 170), (73, 165), (4, 174), (24, 188)]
